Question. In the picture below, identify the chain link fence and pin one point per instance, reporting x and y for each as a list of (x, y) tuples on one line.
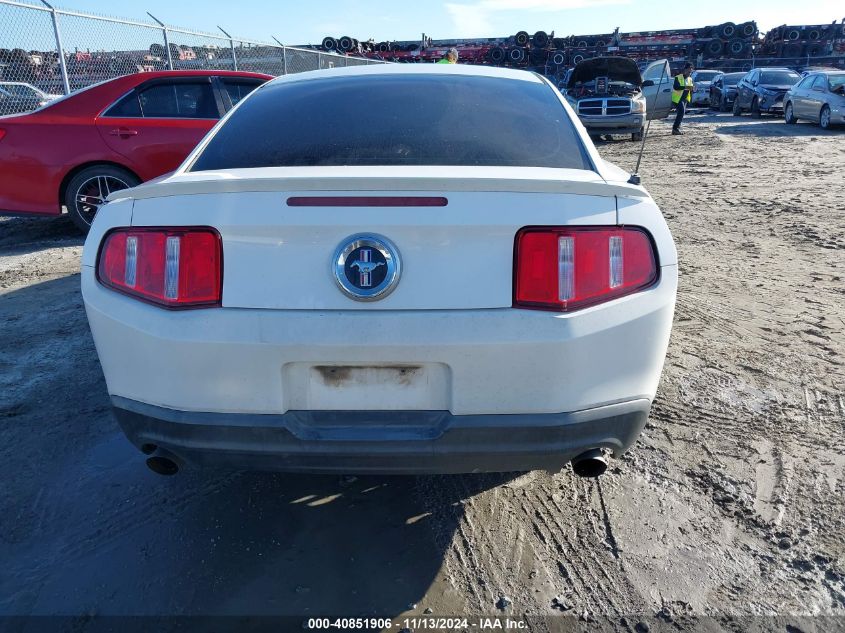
[(47, 52)]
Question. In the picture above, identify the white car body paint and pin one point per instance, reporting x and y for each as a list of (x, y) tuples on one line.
[(283, 320)]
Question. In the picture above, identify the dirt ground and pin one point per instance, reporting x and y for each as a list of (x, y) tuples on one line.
[(727, 515)]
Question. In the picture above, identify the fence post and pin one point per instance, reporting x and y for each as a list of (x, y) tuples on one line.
[(166, 39), (284, 56), (232, 46), (59, 49)]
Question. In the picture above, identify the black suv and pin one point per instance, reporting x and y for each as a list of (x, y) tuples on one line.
[(761, 91), (723, 90)]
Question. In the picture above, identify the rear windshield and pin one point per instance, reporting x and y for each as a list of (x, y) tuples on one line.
[(779, 77), (395, 119), (733, 79)]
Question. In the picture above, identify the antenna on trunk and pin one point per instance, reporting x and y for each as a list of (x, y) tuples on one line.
[(635, 175)]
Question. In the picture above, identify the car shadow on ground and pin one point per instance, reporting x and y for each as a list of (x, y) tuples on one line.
[(20, 235), (88, 529), (772, 126)]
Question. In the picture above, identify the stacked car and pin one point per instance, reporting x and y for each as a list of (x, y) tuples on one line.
[(725, 47), (813, 41), (550, 54)]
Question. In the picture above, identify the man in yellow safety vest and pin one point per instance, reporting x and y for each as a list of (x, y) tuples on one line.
[(681, 96)]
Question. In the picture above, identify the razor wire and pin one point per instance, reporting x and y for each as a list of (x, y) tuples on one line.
[(46, 52)]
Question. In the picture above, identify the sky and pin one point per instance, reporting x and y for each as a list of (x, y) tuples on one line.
[(308, 21)]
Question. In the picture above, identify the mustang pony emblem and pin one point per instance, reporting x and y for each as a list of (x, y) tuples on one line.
[(365, 267)]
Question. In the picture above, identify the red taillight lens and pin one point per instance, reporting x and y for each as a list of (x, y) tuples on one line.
[(171, 267), (2, 133), (566, 268)]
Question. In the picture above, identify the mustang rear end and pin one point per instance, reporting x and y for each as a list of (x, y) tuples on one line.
[(428, 278)]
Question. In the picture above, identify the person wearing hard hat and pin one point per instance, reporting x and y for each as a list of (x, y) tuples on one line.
[(451, 57)]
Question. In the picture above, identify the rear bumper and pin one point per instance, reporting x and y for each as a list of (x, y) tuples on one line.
[(400, 442), (467, 362)]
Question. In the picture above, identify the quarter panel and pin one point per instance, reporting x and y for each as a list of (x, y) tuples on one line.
[(644, 213), (110, 215), (34, 158)]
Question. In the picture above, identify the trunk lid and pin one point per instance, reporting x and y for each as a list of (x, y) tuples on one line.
[(458, 256)]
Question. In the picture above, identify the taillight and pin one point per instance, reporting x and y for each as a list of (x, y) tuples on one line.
[(171, 267), (2, 133), (566, 268)]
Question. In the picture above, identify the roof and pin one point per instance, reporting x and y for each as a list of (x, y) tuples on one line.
[(155, 74), (93, 99), (413, 69)]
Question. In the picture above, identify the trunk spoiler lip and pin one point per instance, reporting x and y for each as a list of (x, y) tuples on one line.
[(389, 180)]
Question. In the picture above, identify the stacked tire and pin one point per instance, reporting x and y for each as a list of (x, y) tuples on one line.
[(726, 40), (498, 54), (343, 44)]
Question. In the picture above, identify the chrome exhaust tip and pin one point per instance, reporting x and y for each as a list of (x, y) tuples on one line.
[(590, 464)]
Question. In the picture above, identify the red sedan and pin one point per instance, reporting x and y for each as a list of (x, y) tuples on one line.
[(113, 135)]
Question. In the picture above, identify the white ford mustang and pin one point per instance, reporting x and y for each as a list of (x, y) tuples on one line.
[(385, 269)]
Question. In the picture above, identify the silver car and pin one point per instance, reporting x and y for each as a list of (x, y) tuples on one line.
[(701, 80), (819, 97), (16, 96)]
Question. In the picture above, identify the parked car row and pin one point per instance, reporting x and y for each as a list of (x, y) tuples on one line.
[(611, 97), (817, 96), (74, 151)]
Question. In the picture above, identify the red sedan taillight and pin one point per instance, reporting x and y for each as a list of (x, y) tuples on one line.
[(566, 268), (171, 267)]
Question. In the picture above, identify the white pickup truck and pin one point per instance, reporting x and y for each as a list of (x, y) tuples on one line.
[(393, 268), (610, 96)]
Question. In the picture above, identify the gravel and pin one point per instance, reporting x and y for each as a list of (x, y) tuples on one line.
[(729, 506)]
